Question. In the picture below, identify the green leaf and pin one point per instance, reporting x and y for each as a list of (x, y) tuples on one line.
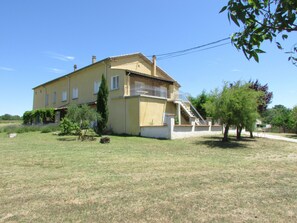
[(223, 9), (285, 36), (256, 57), (279, 45), (259, 51), (234, 19)]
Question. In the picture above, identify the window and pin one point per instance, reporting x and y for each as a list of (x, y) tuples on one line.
[(163, 92), (46, 100), (96, 86), (114, 83), (139, 85), (140, 88), (54, 97), (64, 96), (74, 93)]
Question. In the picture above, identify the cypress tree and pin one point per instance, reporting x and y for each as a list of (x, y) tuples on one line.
[(102, 109)]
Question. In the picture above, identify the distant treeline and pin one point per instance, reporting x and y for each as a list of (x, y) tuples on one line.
[(10, 117)]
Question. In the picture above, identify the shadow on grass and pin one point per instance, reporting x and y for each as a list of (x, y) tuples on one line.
[(134, 136), (215, 142), (291, 136), (67, 139)]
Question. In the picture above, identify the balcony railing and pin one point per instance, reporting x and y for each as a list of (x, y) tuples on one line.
[(149, 90), (184, 98)]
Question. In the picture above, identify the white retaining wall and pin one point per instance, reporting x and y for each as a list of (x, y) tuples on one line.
[(172, 131)]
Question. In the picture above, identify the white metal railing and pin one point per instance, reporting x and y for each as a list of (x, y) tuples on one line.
[(149, 90), (184, 97)]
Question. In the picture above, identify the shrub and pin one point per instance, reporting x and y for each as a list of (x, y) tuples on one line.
[(39, 116), (68, 127), (27, 117)]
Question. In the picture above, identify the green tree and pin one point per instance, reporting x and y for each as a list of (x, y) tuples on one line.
[(261, 20), (236, 105), (199, 103), (279, 116), (294, 119), (82, 115), (102, 107), (247, 102), (266, 97), (10, 117)]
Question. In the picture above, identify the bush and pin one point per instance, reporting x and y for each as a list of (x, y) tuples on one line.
[(67, 127), (39, 116), (28, 117)]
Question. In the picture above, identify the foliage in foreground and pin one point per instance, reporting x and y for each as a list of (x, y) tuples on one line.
[(262, 20)]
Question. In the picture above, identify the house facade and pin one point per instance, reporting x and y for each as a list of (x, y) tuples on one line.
[(140, 93)]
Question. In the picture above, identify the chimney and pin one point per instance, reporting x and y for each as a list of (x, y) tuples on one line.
[(74, 67), (93, 59), (154, 60)]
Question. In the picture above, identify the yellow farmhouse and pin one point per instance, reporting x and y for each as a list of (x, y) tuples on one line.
[(140, 93)]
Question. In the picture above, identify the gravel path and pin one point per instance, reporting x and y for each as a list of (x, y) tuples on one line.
[(269, 136)]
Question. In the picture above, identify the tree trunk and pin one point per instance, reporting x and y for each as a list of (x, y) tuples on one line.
[(225, 139), (251, 134), (238, 132)]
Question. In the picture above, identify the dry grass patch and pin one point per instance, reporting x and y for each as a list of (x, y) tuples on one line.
[(46, 178)]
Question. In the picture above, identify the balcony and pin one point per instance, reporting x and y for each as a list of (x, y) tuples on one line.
[(157, 91)]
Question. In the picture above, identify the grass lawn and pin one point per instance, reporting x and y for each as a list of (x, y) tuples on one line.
[(47, 178), (4, 123)]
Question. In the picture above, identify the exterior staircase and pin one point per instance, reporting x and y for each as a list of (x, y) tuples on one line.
[(190, 110)]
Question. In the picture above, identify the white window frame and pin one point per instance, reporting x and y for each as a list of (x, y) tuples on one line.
[(115, 81), (74, 93), (96, 86), (64, 95)]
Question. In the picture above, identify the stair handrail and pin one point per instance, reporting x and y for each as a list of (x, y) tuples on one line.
[(184, 97)]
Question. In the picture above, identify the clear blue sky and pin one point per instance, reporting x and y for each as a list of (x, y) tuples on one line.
[(41, 40)]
